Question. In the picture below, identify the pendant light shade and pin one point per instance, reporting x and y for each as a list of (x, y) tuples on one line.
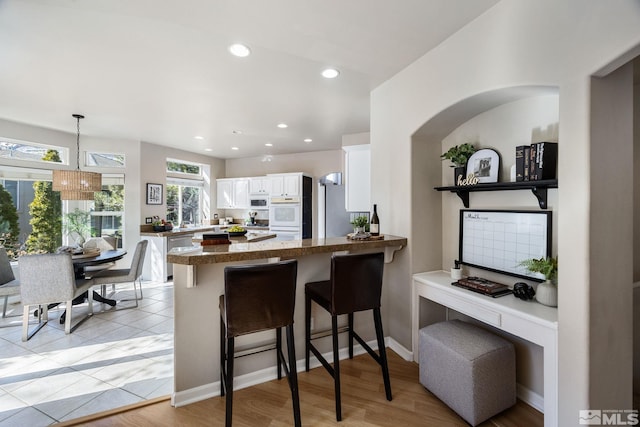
[(76, 184)]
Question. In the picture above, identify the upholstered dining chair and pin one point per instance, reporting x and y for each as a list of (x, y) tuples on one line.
[(125, 275), (50, 278), (9, 286)]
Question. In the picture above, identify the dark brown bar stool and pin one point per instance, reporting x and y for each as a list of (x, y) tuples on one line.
[(355, 285), (258, 298)]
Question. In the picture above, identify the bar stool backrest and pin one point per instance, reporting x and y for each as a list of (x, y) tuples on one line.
[(259, 297), (356, 282)]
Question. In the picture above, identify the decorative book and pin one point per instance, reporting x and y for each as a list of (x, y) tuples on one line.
[(483, 286)]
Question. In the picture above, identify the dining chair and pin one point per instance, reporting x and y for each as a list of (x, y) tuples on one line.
[(355, 285), (9, 286), (125, 275), (258, 298), (50, 278)]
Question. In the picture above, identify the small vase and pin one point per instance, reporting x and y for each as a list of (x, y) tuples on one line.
[(547, 294), (459, 173), (358, 230)]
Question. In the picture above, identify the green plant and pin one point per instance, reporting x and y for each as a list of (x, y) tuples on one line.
[(360, 221), (46, 214), (459, 154), (548, 267), (77, 222)]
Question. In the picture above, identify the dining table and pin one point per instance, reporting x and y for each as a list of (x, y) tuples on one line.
[(80, 263)]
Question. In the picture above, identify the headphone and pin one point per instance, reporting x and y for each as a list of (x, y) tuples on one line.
[(523, 291)]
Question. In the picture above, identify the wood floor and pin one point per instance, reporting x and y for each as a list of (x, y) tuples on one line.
[(363, 403)]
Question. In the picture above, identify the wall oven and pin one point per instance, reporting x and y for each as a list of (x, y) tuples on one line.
[(285, 212)]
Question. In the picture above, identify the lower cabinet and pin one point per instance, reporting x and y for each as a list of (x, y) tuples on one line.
[(156, 267)]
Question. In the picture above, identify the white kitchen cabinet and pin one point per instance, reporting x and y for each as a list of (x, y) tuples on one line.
[(224, 197), (241, 193), (286, 184), (233, 193), (357, 178), (260, 185)]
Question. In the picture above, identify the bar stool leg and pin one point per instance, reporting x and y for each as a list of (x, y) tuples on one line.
[(307, 330), (336, 366), (223, 356), (293, 376), (350, 318), (279, 351), (383, 353), (229, 382)]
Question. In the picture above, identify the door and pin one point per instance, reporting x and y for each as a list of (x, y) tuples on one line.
[(285, 215), (292, 185)]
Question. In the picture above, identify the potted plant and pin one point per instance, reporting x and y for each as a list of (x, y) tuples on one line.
[(76, 224), (459, 155), (547, 291), (359, 224)]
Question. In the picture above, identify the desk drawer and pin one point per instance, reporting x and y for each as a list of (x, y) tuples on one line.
[(464, 305)]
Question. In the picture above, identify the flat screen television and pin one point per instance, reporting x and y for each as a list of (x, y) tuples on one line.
[(498, 240)]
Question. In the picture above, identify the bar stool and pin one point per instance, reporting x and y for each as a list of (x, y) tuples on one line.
[(258, 298), (355, 285)]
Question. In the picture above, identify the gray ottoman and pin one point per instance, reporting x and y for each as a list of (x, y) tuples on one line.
[(468, 368)]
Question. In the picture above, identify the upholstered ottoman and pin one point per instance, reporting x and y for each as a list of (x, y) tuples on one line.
[(468, 368)]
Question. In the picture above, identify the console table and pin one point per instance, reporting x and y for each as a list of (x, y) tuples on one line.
[(529, 320)]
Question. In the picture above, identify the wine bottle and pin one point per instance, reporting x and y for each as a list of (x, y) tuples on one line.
[(374, 228)]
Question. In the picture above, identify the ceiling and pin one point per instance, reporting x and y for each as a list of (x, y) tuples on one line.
[(159, 71)]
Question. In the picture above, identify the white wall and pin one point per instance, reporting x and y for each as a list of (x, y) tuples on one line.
[(145, 163), (515, 44)]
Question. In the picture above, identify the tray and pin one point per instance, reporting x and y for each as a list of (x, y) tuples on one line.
[(87, 253), (351, 236)]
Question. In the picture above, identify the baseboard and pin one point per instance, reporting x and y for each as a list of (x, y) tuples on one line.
[(196, 394), (530, 398), (400, 350)]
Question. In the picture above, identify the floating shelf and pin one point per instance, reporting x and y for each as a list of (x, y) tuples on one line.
[(538, 188)]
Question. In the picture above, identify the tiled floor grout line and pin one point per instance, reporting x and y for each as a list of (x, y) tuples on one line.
[(128, 357)]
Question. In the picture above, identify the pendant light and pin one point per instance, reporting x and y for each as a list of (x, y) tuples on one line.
[(76, 184)]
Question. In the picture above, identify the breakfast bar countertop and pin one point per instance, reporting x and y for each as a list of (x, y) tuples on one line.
[(244, 251)]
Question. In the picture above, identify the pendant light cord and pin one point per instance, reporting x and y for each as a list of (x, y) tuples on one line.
[(78, 117)]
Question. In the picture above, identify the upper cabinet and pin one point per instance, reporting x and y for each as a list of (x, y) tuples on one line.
[(357, 177), (286, 184), (260, 185), (232, 193)]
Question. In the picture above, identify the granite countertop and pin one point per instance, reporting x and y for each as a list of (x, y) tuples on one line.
[(243, 251), (249, 237), (179, 231)]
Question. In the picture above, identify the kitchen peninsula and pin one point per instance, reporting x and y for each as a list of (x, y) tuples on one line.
[(198, 283)]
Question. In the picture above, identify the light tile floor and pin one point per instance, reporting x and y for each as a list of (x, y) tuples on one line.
[(114, 358)]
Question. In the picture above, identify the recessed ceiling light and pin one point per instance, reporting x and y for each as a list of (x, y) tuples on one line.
[(330, 73), (308, 140), (208, 149), (234, 148), (282, 125), (198, 137), (268, 144), (237, 132), (240, 50)]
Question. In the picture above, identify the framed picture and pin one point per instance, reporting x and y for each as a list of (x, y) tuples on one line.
[(484, 164), (154, 194)]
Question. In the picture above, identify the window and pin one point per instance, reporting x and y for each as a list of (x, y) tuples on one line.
[(182, 167), (184, 201), (29, 151), (108, 160), (107, 209)]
